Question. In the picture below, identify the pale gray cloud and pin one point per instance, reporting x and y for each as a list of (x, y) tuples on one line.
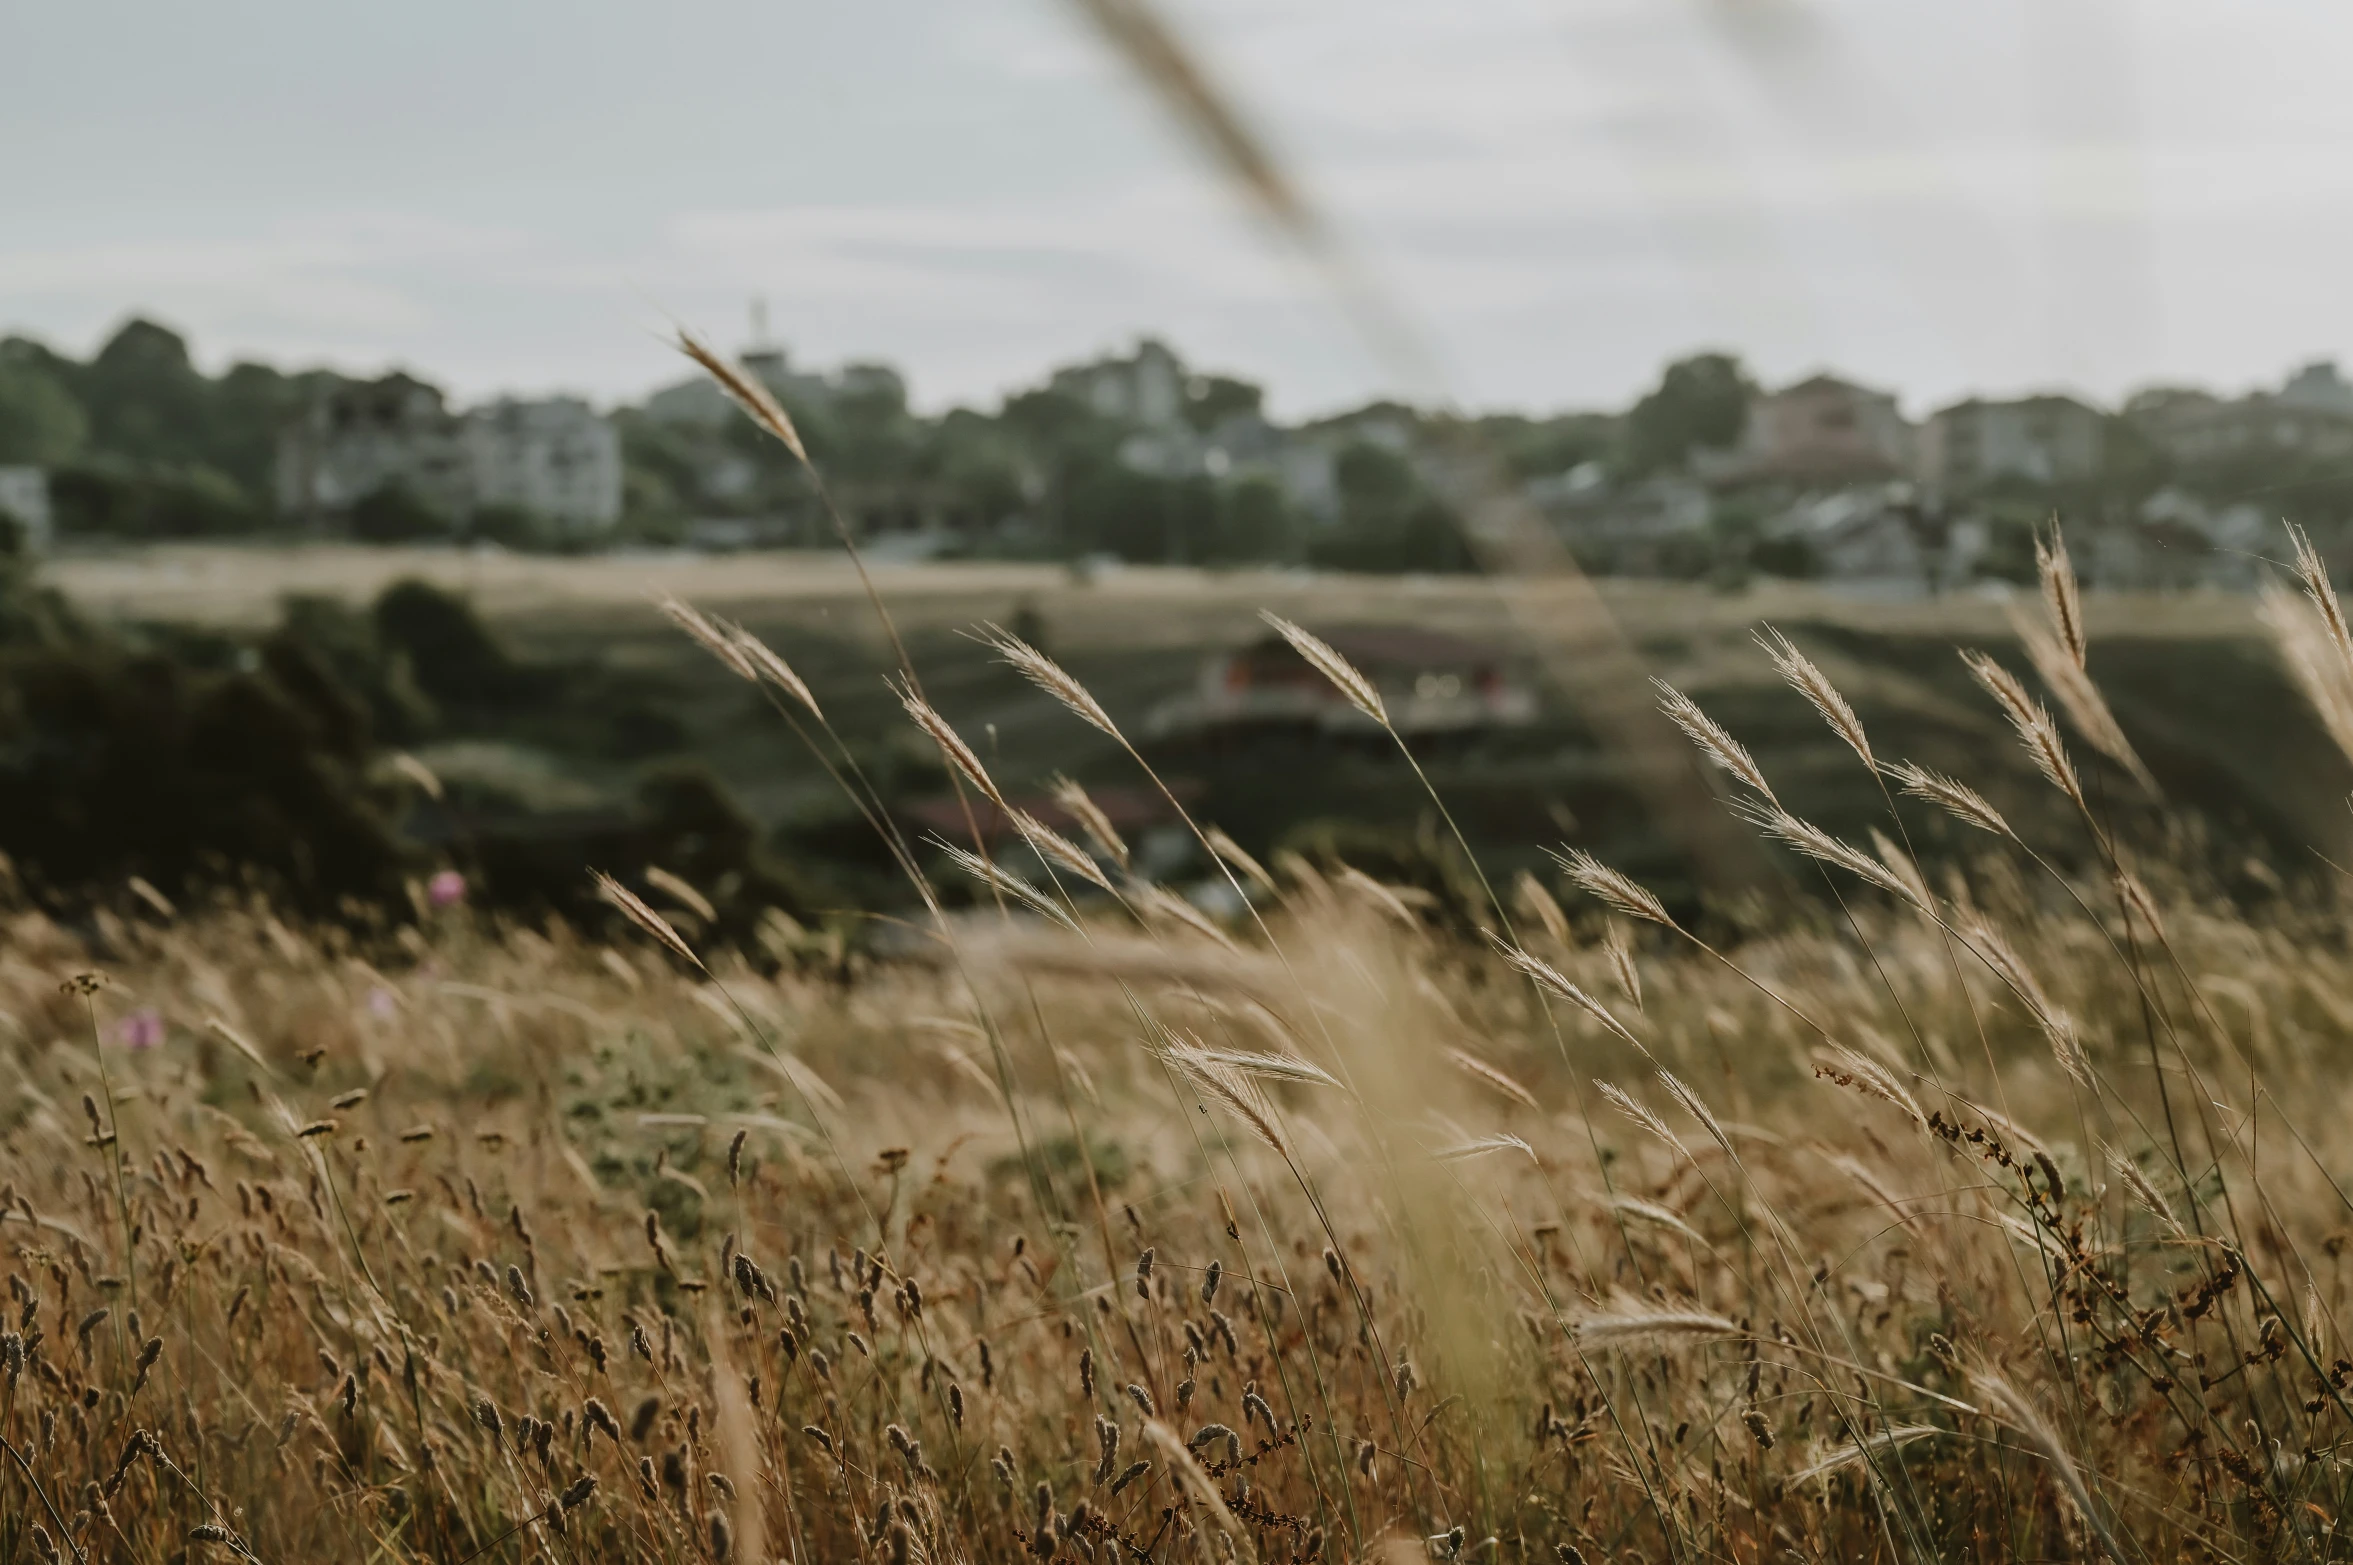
[(1940, 196)]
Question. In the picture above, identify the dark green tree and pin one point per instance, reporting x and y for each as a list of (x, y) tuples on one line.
[(1701, 403), (41, 423)]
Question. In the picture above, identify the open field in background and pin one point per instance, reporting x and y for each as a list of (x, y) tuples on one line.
[(233, 585), (2194, 679)]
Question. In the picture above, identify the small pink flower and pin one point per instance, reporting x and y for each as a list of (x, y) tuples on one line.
[(381, 1003), (446, 889), (142, 1029)]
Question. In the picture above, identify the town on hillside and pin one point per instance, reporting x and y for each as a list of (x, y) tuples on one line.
[(1140, 457)]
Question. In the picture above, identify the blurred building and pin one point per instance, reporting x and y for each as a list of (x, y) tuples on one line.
[(1874, 536), (1655, 526), (360, 438), (24, 500), (2318, 386), (2310, 416), (1821, 430), (1146, 388), (556, 458), (2045, 440)]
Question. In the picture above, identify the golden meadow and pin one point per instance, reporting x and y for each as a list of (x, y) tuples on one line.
[(1990, 1210)]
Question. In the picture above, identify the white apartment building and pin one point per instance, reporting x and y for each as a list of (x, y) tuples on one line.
[(1146, 388), (555, 458)]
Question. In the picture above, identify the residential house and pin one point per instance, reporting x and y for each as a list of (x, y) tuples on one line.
[(1147, 388), (1821, 430), (2177, 539), (2310, 416), (556, 458), (1877, 537), (361, 437), (1655, 526), (2046, 440), (553, 458)]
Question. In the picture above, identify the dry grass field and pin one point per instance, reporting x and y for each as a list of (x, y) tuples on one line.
[(1985, 1208), (1157, 607)]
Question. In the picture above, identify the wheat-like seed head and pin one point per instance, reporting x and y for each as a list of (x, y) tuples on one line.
[(1236, 1092), (2144, 1192), (1997, 953), (1809, 681), (681, 891), (1480, 1146), (1600, 881), (1055, 847), (1010, 884), (1275, 1067), (1471, 1065), (643, 916), (1815, 843), (1189, 1474), (2085, 707), (707, 635), (1956, 798), (1383, 898), (1729, 754), (1326, 661), (777, 671), (1618, 943), (1630, 1322), (1868, 1076), (2313, 572), (758, 403), (2028, 716), (1653, 1212), (2315, 661), (737, 649), (1537, 903), (1049, 676), (950, 742), (1091, 819), (2138, 897), (1641, 1114), (1557, 983), (1697, 1109), (1886, 1442), (2061, 594), (2028, 1419), (1233, 853), (1152, 901), (1903, 866)]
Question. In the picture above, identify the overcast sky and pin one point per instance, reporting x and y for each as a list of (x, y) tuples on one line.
[(1941, 196)]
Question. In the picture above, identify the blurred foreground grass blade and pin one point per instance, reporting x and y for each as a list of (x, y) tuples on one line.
[(1577, 640)]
